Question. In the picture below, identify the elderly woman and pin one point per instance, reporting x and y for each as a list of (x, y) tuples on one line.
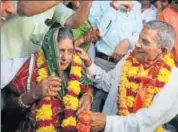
[(51, 85)]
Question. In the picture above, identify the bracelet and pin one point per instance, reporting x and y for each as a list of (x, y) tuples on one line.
[(85, 94), (21, 104)]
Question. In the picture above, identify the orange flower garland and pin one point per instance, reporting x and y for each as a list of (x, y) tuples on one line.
[(136, 90), (83, 124), (44, 113)]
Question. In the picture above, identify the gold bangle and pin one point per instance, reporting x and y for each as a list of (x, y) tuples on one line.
[(21, 104), (85, 94)]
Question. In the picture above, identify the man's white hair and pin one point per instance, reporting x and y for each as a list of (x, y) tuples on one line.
[(166, 36)]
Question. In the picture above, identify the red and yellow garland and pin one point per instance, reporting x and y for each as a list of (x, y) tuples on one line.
[(138, 87), (71, 99), (44, 114)]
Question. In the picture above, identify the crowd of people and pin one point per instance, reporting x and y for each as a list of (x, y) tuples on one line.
[(114, 63)]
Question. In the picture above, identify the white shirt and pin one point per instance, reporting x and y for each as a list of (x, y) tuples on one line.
[(149, 14), (114, 26), (163, 109)]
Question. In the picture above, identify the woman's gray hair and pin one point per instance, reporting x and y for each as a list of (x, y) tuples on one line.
[(65, 32), (166, 35)]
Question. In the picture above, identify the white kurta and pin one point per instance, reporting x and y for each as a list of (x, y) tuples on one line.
[(162, 110)]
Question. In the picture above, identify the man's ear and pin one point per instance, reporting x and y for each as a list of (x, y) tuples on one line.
[(164, 50)]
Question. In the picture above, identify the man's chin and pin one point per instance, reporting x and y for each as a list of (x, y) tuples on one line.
[(140, 58)]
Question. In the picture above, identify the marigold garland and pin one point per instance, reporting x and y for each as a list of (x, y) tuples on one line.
[(43, 113), (83, 124), (132, 82), (70, 100)]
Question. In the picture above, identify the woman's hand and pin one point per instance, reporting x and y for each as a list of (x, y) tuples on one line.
[(84, 103), (49, 86)]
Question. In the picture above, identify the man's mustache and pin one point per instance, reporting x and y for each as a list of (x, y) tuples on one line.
[(138, 50)]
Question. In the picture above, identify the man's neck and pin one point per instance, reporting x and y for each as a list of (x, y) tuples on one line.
[(150, 62)]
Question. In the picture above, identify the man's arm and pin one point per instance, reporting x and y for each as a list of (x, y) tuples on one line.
[(80, 16), (164, 107), (30, 8), (100, 77)]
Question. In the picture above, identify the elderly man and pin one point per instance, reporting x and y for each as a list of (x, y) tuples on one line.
[(145, 71), (158, 112)]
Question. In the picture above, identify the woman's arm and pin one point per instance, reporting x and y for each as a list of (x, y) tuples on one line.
[(49, 86), (86, 100), (27, 98)]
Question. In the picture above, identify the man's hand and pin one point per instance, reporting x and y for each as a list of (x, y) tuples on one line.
[(84, 56), (49, 86), (84, 103), (98, 121), (121, 49), (127, 4)]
